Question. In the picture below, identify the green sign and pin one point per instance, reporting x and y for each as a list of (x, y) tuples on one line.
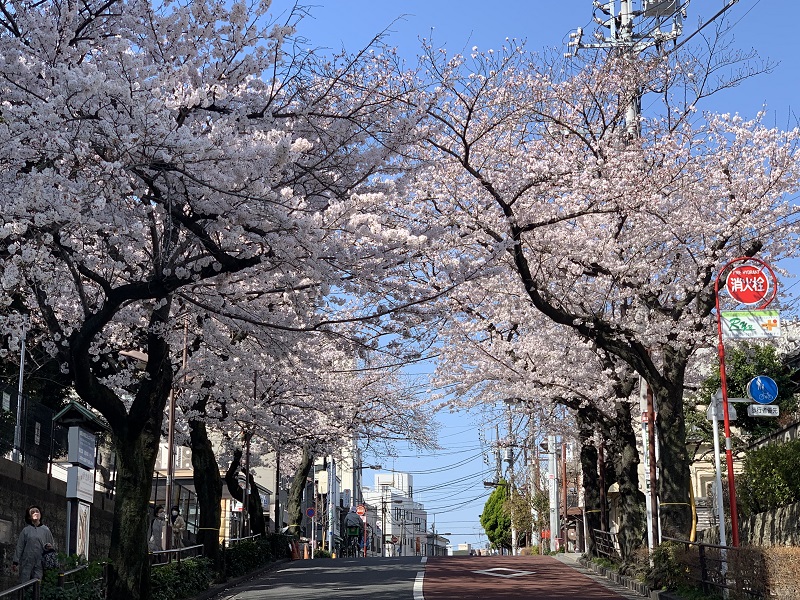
[(750, 324)]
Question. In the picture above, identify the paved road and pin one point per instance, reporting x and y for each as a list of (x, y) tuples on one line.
[(509, 578), (339, 579), (414, 578)]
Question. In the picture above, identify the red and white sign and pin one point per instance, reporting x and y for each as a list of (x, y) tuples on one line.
[(748, 284), (361, 510)]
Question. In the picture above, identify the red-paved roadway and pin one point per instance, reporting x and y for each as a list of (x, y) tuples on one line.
[(454, 577)]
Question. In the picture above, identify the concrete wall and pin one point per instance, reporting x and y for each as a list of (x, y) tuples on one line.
[(20, 487), (779, 527)]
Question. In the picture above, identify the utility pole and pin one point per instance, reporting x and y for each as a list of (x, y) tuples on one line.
[(498, 459), (552, 479), (661, 21), (564, 490), (510, 471), (665, 23), (18, 453)]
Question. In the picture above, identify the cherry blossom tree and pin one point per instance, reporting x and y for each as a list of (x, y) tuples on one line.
[(166, 160), (617, 237), (563, 384)]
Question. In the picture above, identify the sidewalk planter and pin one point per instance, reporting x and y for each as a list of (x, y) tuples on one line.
[(623, 580)]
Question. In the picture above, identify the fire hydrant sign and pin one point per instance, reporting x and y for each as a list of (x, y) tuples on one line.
[(748, 284), (750, 324)]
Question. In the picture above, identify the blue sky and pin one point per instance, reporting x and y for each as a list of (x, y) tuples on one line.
[(450, 483)]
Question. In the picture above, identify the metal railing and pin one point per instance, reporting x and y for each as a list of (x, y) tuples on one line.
[(233, 541), (65, 579), (605, 544), (707, 566), (21, 591), (165, 557)]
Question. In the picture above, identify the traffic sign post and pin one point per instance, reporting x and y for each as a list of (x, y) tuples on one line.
[(361, 511), (752, 282)]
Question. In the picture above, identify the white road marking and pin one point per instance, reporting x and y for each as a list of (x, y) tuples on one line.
[(418, 586), (496, 572)]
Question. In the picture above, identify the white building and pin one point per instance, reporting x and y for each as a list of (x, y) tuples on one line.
[(403, 521)]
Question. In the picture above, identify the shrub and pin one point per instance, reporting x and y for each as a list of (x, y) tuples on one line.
[(770, 479), (247, 555), (782, 565), (175, 580), (320, 553), (669, 567), (86, 584)]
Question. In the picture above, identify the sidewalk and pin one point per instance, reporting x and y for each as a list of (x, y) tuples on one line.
[(574, 560), (223, 590)]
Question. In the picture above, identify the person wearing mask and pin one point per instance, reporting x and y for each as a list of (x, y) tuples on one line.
[(178, 527), (156, 529), (34, 539)]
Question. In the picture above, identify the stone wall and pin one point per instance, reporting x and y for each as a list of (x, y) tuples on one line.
[(21, 486), (780, 527)]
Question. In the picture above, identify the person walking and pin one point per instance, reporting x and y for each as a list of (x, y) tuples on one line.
[(34, 539), (178, 527), (156, 529)]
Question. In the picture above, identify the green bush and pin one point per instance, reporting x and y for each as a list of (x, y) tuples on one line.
[(321, 553), (247, 556), (175, 580), (669, 571), (86, 584), (770, 478)]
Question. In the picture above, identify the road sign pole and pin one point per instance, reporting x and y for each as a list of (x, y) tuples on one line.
[(764, 299)]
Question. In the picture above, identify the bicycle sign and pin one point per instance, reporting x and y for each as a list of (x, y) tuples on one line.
[(762, 389)]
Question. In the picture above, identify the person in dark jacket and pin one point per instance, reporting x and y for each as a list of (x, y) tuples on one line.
[(33, 540)]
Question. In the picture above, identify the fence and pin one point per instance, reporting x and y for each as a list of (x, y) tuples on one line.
[(164, 557), (20, 592), (99, 586), (736, 572), (605, 544)]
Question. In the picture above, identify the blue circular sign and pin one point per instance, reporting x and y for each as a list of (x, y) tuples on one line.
[(762, 389), (310, 512)]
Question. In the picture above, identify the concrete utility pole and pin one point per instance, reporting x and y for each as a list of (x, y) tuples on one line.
[(552, 479), (18, 453), (510, 471)]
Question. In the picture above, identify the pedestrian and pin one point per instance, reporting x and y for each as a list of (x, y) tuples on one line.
[(156, 529), (178, 527), (34, 540)]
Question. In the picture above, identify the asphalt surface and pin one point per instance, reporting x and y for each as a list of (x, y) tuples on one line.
[(443, 578)]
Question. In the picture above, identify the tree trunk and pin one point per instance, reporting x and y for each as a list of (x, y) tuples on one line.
[(294, 503), (255, 510), (591, 478), (631, 532), (208, 485), (673, 462), (136, 457)]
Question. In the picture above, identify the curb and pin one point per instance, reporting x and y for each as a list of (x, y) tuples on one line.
[(220, 588), (623, 580)]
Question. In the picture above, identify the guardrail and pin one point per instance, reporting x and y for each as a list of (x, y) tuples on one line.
[(19, 592), (165, 557), (234, 541)]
